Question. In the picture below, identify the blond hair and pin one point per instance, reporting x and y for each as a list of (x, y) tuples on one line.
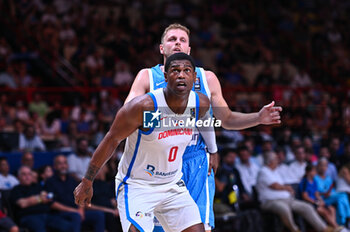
[(174, 26)]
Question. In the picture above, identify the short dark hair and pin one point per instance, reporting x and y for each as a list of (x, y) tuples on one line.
[(178, 56)]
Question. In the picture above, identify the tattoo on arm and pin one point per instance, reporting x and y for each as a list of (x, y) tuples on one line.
[(91, 172)]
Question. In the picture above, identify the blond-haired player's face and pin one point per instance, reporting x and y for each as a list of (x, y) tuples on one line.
[(175, 40)]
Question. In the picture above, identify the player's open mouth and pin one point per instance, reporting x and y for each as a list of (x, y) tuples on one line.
[(177, 50), (181, 84)]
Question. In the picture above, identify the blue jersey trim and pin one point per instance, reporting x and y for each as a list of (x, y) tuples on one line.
[(154, 100), (127, 210), (116, 195), (133, 157), (197, 106)]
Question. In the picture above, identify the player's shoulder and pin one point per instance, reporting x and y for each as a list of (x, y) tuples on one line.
[(143, 102), (143, 72)]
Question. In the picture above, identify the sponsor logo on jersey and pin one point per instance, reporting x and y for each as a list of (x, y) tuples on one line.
[(150, 170)]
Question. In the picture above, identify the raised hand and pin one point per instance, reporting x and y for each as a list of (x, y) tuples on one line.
[(270, 114)]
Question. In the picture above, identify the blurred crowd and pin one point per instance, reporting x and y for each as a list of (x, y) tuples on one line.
[(295, 52)]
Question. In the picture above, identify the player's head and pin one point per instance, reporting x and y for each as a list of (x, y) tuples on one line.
[(179, 72), (175, 38)]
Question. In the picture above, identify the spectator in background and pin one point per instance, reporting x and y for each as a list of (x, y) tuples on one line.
[(7, 224), (265, 147), (22, 111), (283, 168), (309, 193), (123, 76), (104, 200), (30, 141), (301, 79), (39, 106), (331, 170), (335, 151), (279, 198), (7, 180), (343, 181), (297, 167), (44, 173), (227, 177), (7, 78), (248, 170), (345, 158), (27, 159), (78, 162), (32, 205), (326, 187), (62, 185)]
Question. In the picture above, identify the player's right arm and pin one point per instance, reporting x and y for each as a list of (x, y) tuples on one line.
[(127, 120), (140, 86)]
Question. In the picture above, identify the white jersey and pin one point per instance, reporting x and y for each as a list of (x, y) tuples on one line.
[(155, 157)]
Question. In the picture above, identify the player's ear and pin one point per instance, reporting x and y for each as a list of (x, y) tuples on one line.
[(161, 49), (165, 77), (194, 77), (189, 51)]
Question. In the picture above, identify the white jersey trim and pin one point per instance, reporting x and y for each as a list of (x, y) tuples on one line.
[(205, 83)]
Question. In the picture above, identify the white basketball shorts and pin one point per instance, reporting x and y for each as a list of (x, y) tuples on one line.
[(173, 206)]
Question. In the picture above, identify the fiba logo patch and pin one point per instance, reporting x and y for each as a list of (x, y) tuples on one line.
[(151, 119), (150, 170), (197, 84)]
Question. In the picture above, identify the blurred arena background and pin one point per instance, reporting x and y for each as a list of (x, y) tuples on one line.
[(66, 67)]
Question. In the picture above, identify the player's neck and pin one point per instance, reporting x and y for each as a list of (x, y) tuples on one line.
[(177, 103)]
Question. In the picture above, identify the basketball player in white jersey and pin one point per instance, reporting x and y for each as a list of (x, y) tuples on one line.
[(149, 174), (176, 39)]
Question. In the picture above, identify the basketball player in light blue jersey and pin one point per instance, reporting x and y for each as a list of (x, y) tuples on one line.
[(200, 180)]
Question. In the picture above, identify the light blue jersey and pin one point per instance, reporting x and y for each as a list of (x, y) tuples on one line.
[(195, 158)]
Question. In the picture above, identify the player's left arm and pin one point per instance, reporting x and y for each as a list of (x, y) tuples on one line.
[(208, 134), (269, 114)]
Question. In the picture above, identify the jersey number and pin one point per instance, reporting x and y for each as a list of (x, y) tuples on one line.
[(172, 154)]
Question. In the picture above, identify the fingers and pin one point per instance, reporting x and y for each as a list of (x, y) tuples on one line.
[(270, 105), (210, 168)]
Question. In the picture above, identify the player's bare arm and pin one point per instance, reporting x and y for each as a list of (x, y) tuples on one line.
[(214, 156), (140, 86), (204, 104), (127, 120), (269, 114)]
